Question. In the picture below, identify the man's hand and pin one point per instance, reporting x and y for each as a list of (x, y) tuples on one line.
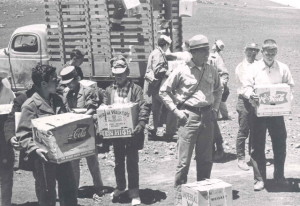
[(14, 142), (41, 154), (254, 100), (182, 117), (139, 127)]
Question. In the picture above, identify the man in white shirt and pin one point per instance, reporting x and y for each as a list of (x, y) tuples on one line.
[(267, 71), (243, 107)]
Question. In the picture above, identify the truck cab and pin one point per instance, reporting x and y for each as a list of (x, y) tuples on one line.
[(27, 47)]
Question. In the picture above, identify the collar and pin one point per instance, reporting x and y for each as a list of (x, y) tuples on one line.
[(127, 84), (192, 65), (265, 66), (42, 104)]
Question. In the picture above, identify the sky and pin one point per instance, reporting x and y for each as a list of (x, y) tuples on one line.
[(293, 3)]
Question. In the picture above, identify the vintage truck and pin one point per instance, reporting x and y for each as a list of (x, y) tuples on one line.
[(85, 24)]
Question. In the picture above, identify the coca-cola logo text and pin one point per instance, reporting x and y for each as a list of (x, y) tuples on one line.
[(280, 97)]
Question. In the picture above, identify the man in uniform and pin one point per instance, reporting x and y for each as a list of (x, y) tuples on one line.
[(263, 72), (195, 103), (243, 106), (86, 98)]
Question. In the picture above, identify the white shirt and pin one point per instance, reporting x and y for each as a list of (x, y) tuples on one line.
[(6, 94), (261, 74), (241, 72)]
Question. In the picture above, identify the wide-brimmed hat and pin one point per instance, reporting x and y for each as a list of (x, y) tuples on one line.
[(68, 74), (198, 41)]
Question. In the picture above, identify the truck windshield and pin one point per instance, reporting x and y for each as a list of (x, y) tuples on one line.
[(25, 43)]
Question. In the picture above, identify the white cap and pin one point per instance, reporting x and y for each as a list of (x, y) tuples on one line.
[(166, 38)]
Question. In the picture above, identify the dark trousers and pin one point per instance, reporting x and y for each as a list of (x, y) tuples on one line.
[(277, 131), (46, 174), (199, 135), (245, 110), (122, 150), (218, 139)]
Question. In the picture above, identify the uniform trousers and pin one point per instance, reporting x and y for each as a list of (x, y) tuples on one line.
[(196, 133), (93, 165), (277, 131)]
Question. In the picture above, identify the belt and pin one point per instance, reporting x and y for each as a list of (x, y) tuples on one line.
[(196, 109)]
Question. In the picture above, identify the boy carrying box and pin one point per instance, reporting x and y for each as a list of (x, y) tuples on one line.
[(45, 102), (124, 91)]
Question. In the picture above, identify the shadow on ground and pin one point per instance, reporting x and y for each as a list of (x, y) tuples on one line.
[(148, 197), (227, 158), (291, 186), (235, 194), (27, 204)]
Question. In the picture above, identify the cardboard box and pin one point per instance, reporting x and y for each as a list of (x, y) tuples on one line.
[(212, 192), (5, 108), (88, 83), (274, 100), (117, 120), (186, 8), (129, 4), (65, 136)]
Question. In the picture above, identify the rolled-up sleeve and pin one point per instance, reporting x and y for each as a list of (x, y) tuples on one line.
[(218, 90), (166, 89)]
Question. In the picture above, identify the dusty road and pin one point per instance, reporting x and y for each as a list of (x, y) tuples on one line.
[(236, 22)]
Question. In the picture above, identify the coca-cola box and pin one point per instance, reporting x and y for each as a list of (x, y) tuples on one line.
[(66, 136), (210, 192), (274, 100), (117, 120)]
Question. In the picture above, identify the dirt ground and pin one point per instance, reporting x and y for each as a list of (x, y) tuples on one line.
[(236, 22)]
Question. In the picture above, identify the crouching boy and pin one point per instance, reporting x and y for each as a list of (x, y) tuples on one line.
[(123, 91), (45, 102)]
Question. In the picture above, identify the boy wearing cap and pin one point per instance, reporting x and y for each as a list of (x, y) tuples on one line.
[(123, 91), (157, 70), (45, 102), (80, 97), (6, 150), (243, 106), (267, 71), (195, 103)]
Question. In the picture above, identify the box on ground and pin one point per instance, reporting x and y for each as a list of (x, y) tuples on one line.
[(66, 136), (5, 108), (212, 192), (117, 120), (274, 100)]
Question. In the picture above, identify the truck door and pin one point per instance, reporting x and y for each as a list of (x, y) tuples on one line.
[(25, 52)]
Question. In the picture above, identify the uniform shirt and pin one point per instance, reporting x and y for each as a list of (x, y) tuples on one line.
[(217, 61), (86, 97), (182, 83), (241, 72), (260, 74), (6, 95)]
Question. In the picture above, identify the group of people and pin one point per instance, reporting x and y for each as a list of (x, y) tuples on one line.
[(190, 96), (195, 92), (50, 95)]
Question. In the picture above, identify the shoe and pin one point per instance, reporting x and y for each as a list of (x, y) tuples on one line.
[(219, 155), (101, 192), (259, 186), (243, 165), (136, 201), (117, 193), (117, 27), (152, 134)]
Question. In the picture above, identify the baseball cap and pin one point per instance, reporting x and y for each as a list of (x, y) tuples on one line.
[(68, 74), (252, 46), (198, 41), (220, 44), (166, 38), (119, 66), (269, 44)]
